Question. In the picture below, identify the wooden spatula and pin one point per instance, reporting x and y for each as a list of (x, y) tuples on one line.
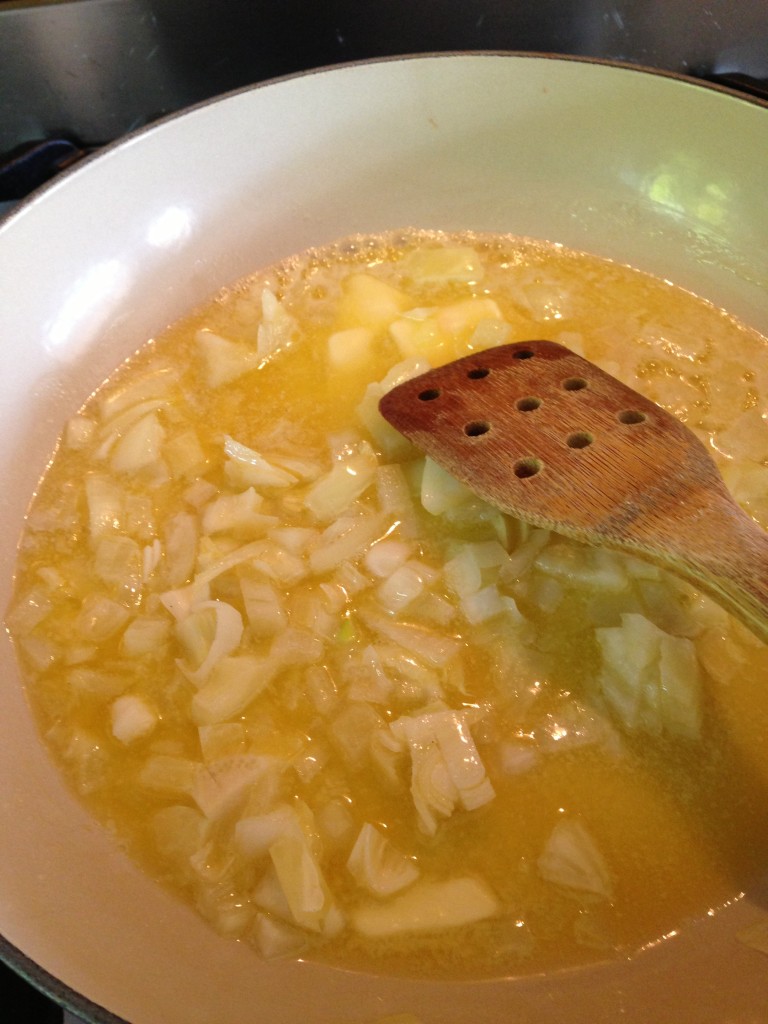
[(548, 437)]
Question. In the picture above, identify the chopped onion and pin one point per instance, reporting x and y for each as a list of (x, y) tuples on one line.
[(277, 328), (369, 302), (106, 508), (440, 491), (264, 607), (570, 858), (403, 586), (254, 469), (427, 906), (377, 865), (347, 539), (219, 787), (225, 360), (349, 350), (346, 481), (233, 683), (236, 514), (386, 556), (276, 939), (460, 264), (431, 646), (212, 631), (132, 718), (139, 447)]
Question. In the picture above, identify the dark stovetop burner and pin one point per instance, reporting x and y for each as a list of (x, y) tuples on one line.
[(20, 1003)]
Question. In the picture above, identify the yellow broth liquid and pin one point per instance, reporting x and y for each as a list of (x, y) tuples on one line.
[(679, 821)]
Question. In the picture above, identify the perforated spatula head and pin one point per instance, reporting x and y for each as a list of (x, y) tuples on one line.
[(547, 436)]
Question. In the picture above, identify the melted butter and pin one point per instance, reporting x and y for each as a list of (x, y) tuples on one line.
[(678, 821)]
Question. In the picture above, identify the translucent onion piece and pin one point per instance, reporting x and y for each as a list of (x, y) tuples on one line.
[(571, 859), (377, 865), (427, 906), (212, 631)]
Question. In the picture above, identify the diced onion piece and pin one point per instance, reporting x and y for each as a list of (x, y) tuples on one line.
[(118, 561), (225, 360), (263, 606), (440, 491), (402, 587), (461, 264), (154, 384), (489, 334), (570, 858), (395, 498), (463, 573), (523, 557), (132, 718), (78, 432), (368, 302), (224, 740), (177, 832), (139, 447), (212, 631), (459, 318), (277, 939), (233, 683), (181, 601), (349, 350), (431, 646), (421, 338), (680, 687), (106, 504), (184, 455), (295, 539), (386, 556), (28, 610), (295, 647), (151, 556), (650, 680), (277, 328), (590, 567), (446, 766), (219, 787), (97, 681), (234, 513), (301, 878), (254, 468), (377, 865), (100, 618), (254, 834), (345, 540), (172, 776), (346, 481), (427, 906)]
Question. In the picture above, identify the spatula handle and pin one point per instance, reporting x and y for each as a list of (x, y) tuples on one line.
[(724, 553)]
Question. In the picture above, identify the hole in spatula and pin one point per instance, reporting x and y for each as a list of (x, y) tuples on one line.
[(581, 439), (478, 373), (477, 428), (429, 395), (527, 467), (574, 384), (523, 353), (528, 404), (630, 416)]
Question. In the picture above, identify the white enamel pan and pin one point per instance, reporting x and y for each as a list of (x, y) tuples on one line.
[(656, 171)]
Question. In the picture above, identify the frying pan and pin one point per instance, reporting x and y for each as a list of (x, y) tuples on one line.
[(644, 168)]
